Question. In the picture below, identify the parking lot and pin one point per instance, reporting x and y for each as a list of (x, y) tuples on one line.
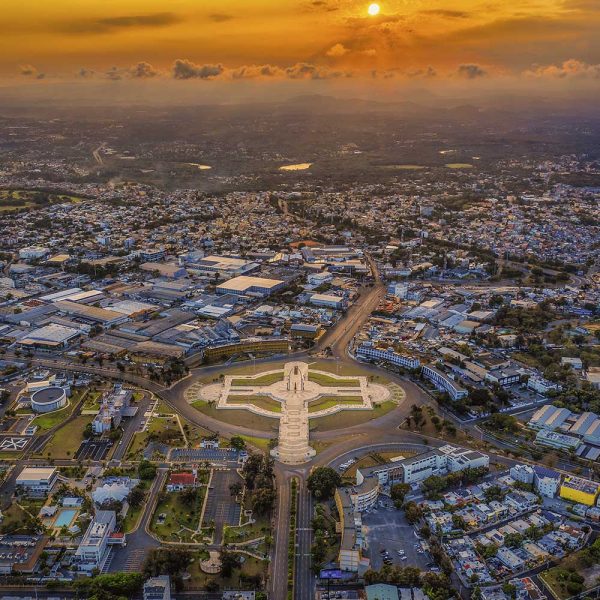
[(93, 449), (221, 508), (387, 529)]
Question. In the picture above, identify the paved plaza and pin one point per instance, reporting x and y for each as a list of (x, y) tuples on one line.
[(297, 388)]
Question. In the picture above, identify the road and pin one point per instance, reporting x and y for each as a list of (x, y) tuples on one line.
[(356, 440)]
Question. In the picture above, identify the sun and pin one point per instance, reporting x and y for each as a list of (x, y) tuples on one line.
[(373, 9)]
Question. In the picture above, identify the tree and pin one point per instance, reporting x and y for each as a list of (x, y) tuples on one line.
[(229, 562), (513, 540), (398, 493), (413, 512), (146, 470), (323, 481), (189, 496), (237, 442), (263, 500), (235, 489), (136, 496)]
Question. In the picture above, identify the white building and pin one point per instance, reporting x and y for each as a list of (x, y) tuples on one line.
[(541, 386), (546, 481), (444, 383), (37, 480), (93, 550), (33, 252), (370, 352), (522, 473), (327, 300)]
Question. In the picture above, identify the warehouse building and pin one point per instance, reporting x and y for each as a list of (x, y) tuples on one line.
[(50, 337), (250, 286)]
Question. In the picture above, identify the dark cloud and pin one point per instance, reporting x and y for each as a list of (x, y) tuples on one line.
[(111, 24), (220, 17), (449, 14), (471, 71), (186, 69), (143, 70)]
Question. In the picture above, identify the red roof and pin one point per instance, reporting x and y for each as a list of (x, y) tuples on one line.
[(182, 479)]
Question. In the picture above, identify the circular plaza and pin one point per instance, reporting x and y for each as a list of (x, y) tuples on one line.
[(294, 393)]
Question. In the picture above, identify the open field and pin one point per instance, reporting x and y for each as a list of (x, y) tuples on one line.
[(161, 429), (348, 418), (50, 420), (240, 417), (181, 518), (67, 439), (264, 402), (325, 380), (267, 379), (325, 402)]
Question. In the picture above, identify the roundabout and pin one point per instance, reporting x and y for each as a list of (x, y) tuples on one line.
[(294, 394)]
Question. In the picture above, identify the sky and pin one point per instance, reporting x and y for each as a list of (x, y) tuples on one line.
[(437, 41)]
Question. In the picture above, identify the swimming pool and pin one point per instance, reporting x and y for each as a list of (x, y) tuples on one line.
[(65, 517)]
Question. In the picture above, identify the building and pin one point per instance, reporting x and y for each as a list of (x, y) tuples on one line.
[(368, 351), (250, 286), (93, 549), (157, 588), (582, 491), (49, 337), (225, 266), (350, 527), (382, 591), (20, 553), (114, 406), (255, 345), (522, 473), (181, 481), (541, 386), (37, 480), (439, 461), (327, 301), (549, 417), (48, 399), (554, 439), (33, 253), (444, 383), (546, 481)]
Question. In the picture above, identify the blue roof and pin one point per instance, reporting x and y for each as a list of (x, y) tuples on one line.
[(545, 472)]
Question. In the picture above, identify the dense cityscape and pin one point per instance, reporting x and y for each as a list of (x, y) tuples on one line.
[(300, 301)]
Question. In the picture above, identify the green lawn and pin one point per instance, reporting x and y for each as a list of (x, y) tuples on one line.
[(240, 417), (325, 380), (260, 528), (161, 429), (348, 418), (92, 401), (179, 515), (251, 566), (260, 443), (50, 420), (264, 402), (67, 439), (268, 379), (325, 402)]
